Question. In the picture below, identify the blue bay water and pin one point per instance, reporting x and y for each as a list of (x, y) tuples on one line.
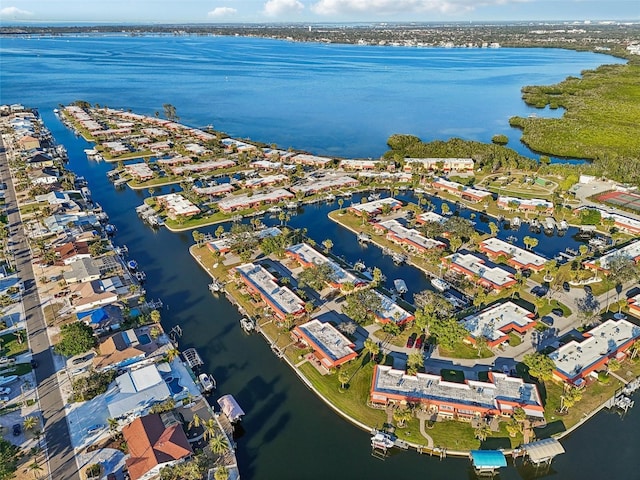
[(328, 99)]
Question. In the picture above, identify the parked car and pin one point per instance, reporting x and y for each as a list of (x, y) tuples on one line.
[(94, 428), (4, 400), (587, 288), (419, 341), (566, 287), (111, 476), (539, 291), (82, 359), (5, 391), (34, 363), (410, 341), (547, 320), (558, 312), (17, 429)]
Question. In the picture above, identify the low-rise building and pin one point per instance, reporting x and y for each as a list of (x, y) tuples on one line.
[(136, 391), (173, 161), (430, 217), (634, 305), (223, 245), (630, 251), (259, 281), (410, 238), (326, 183), (439, 164), (123, 349), (82, 270), (609, 340), (516, 257), (525, 204), (177, 205), (465, 401), (215, 190), (139, 171), (375, 207), (242, 202), (201, 167), (477, 270), (154, 441), (459, 190), (360, 164), (308, 256), (260, 182), (330, 347), (391, 312), (311, 160), (497, 321)]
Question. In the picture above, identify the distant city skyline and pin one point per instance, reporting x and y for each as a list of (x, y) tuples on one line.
[(313, 11)]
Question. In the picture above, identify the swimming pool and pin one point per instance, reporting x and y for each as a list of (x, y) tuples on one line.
[(174, 386), (144, 339)]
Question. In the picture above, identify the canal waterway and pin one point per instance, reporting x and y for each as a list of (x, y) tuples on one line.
[(290, 434)]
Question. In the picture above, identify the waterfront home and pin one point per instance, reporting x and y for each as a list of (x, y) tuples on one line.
[(196, 149), (102, 319), (630, 251), (242, 202), (231, 144), (59, 223), (275, 154), (391, 312), (40, 160), (223, 245), (173, 161), (375, 207), (125, 348), (28, 142), (439, 164), (160, 146), (477, 270), (215, 190), (259, 281), (136, 391), (516, 257), (311, 160), (202, 167), (388, 177), (114, 148), (60, 198), (328, 182), (154, 441), (497, 321), (360, 164), (525, 205), (82, 270), (330, 347), (308, 256), (154, 132), (177, 205), (45, 176), (267, 165), (267, 181), (139, 171), (574, 361), (430, 217), (621, 222), (90, 295), (634, 305), (500, 395), (459, 190), (70, 252), (409, 238)]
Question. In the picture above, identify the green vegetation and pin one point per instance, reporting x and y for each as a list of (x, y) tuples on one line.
[(485, 155), (92, 385), (500, 139), (600, 122), (77, 338), (13, 344), (9, 455)]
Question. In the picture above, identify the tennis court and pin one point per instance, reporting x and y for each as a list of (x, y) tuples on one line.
[(622, 199)]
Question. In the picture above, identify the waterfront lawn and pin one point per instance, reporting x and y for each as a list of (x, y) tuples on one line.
[(353, 400), (464, 350)]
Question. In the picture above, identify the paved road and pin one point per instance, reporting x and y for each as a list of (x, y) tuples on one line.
[(61, 455)]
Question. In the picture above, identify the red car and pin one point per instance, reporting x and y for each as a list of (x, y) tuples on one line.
[(411, 340), (419, 341)]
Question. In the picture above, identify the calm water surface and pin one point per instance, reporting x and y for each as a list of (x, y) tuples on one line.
[(343, 100)]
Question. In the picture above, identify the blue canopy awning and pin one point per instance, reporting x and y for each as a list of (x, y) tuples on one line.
[(488, 459)]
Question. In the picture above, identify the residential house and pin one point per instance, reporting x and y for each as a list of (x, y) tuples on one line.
[(70, 252), (102, 319), (242, 202), (177, 205), (477, 270), (330, 347), (516, 257), (375, 207), (82, 270), (40, 160), (439, 164), (136, 391), (28, 142), (459, 190), (497, 321), (124, 348), (409, 238), (139, 171), (90, 295), (526, 205)]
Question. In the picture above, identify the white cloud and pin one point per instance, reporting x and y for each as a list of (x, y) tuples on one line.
[(222, 12), (274, 8), (14, 12), (333, 7)]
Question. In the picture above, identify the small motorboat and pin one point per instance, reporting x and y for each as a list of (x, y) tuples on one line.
[(400, 286), (247, 324), (382, 440), (132, 265), (439, 284), (207, 382)]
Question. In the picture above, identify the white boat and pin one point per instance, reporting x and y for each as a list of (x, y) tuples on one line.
[(359, 266), (215, 286), (274, 210), (512, 238), (8, 380), (400, 285), (382, 441), (207, 382), (439, 284), (292, 205), (247, 324), (373, 197)]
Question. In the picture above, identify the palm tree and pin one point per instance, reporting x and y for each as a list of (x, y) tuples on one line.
[(401, 416), (172, 353), (328, 244), (196, 421), (482, 431), (209, 429), (221, 473), (343, 378), (371, 347), (30, 422), (113, 426), (415, 362), (218, 444), (36, 468), (155, 316)]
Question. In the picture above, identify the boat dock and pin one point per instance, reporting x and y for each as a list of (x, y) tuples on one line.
[(120, 182)]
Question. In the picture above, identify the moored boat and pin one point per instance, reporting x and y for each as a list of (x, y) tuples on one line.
[(400, 286), (207, 382), (247, 324), (439, 284)]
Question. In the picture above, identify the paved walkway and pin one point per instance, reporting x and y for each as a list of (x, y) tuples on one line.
[(424, 417)]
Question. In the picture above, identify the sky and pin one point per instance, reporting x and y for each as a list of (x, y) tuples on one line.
[(311, 11)]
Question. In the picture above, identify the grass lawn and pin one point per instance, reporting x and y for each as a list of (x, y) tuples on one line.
[(17, 369), (514, 340), (353, 400), (464, 350), (456, 376), (10, 347)]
